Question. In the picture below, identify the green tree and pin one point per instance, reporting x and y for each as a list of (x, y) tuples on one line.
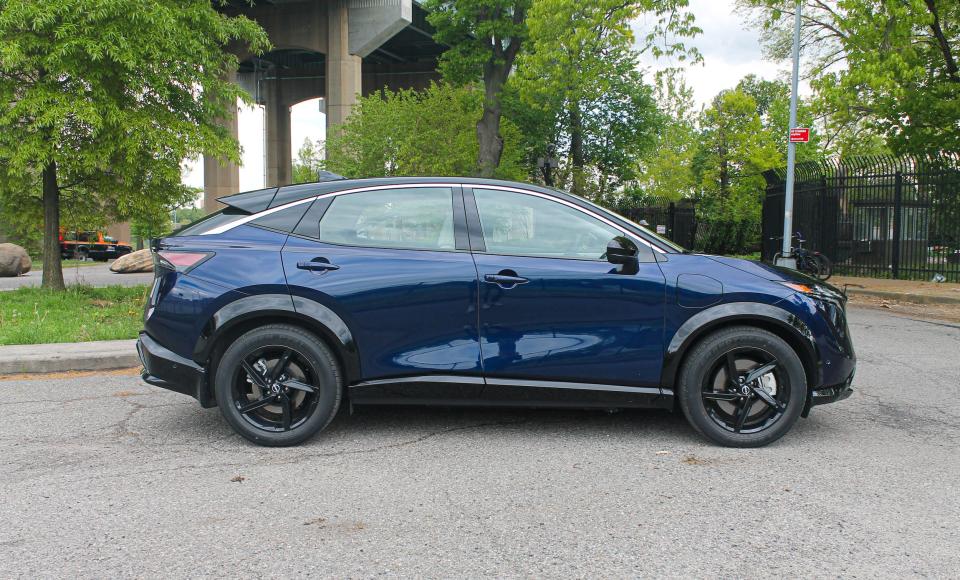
[(484, 37), (308, 162), (408, 132), (107, 98), (666, 172), (735, 151), (580, 66), (773, 107), (877, 67)]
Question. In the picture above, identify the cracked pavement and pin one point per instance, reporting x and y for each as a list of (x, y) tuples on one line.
[(103, 475)]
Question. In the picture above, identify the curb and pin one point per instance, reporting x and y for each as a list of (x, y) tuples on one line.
[(903, 296), (61, 357)]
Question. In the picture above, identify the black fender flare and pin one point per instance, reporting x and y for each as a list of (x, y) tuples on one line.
[(272, 308), (786, 324)]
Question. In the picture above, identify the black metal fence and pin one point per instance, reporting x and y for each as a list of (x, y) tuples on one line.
[(678, 221), (675, 221), (882, 217)]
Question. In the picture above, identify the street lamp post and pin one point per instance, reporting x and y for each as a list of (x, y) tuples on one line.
[(786, 255)]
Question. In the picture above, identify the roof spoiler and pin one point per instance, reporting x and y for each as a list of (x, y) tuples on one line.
[(261, 199)]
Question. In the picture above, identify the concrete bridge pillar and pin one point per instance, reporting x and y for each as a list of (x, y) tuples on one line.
[(221, 178), (343, 68), (279, 162)]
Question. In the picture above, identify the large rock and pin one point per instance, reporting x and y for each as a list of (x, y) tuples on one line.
[(139, 261), (14, 260)]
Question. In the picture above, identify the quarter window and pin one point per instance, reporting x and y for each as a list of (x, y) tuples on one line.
[(284, 220), (520, 224), (415, 218)]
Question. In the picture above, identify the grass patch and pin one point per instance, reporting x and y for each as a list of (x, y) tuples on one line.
[(753, 256), (81, 313)]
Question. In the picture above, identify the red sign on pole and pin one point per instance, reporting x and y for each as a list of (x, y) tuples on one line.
[(800, 135)]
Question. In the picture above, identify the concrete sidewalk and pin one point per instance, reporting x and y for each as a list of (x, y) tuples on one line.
[(913, 291), (68, 356)]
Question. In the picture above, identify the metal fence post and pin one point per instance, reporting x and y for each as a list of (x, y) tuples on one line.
[(897, 214), (671, 220)]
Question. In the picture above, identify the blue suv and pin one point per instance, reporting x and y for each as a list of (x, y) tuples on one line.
[(292, 301)]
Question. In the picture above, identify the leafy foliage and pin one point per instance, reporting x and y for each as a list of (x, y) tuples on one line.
[(882, 70), (410, 132), (308, 162), (735, 151), (484, 37), (106, 99), (580, 70)]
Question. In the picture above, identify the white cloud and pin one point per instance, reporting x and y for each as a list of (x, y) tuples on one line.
[(730, 51)]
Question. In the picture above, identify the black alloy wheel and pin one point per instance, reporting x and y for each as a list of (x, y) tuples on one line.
[(278, 385), (745, 391), (274, 388), (742, 387)]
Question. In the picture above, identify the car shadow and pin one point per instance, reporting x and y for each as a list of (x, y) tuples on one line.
[(429, 421)]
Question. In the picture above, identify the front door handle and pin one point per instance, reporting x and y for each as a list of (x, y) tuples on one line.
[(317, 265), (505, 279)]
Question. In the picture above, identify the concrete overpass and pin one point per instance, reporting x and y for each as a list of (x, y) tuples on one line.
[(327, 49)]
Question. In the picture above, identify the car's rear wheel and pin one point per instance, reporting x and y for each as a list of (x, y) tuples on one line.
[(742, 387), (278, 385)]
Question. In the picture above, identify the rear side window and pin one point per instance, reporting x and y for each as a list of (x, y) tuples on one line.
[(284, 220), (419, 218), (215, 220)]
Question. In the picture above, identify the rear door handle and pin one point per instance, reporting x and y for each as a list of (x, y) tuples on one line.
[(505, 281), (316, 265)]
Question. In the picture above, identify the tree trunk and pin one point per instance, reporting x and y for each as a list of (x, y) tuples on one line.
[(576, 149), (488, 128), (52, 269)]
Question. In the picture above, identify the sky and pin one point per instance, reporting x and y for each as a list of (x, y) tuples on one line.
[(730, 52)]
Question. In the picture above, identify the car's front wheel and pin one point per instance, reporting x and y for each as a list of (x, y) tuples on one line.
[(278, 385), (742, 387)]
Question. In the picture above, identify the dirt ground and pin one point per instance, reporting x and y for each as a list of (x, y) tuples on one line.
[(945, 289), (933, 312)]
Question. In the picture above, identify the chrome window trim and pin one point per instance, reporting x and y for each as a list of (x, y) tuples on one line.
[(250, 218)]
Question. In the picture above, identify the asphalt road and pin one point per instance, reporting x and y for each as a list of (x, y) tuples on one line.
[(105, 476), (99, 275)]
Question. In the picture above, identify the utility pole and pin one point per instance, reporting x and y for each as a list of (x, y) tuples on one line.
[(786, 256)]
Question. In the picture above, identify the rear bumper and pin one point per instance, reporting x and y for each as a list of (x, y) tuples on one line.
[(165, 369)]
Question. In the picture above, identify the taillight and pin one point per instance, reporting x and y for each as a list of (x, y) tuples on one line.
[(182, 261)]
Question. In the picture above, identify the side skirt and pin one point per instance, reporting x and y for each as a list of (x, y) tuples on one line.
[(480, 392)]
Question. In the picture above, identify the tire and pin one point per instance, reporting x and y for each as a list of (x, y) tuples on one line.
[(715, 409), (825, 266), (285, 408), (81, 254)]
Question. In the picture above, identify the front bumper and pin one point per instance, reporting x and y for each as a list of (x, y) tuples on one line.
[(824, 395), (165, 369)]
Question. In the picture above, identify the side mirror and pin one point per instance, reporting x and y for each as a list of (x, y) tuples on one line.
[(622, 251)]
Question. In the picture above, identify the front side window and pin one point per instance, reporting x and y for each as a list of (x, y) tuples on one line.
[(419, 218), (520, 224)]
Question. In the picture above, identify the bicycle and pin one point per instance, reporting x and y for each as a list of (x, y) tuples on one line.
[(809, 262)]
